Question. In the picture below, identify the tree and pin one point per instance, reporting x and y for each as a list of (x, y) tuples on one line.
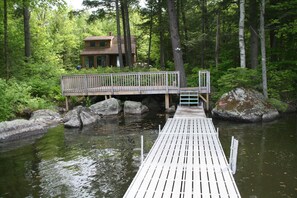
[(5, 40), (241, 33), (119, 34), (254, 44), (161, 35), (203, 28), (150, 33), (218, 33), (175, 41), (26, 15), (263, 48), (126, 24)]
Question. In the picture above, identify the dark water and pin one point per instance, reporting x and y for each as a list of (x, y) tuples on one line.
[(102, 161)]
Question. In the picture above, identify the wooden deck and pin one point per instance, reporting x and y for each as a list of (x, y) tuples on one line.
[(186, 160), (141, 83), (128, 84)]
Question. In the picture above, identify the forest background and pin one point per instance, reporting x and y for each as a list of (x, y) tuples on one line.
[(42, 40)]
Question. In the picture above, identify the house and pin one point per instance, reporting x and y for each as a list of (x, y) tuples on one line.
[(101, 51)]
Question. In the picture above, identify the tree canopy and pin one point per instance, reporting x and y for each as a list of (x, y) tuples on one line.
[(43, 39)]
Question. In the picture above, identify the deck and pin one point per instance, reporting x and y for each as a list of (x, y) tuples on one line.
[(137, 83), (186, 160)]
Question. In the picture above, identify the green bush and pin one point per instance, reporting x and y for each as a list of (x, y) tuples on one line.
[(15, 98), (279, 105), (282, 83), (237, 77)]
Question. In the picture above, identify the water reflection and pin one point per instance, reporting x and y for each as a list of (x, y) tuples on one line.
[(267, 159), (102, 160), (99, 161)]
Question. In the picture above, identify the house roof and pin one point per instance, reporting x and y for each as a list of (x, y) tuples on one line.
[(111, 50), (99, 38)]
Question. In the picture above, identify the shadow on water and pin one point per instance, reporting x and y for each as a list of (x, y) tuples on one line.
[(267, 156), (101, 161)]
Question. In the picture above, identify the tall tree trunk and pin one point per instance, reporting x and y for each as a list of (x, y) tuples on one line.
[(5, 41), (124, 30), (218, 34), (254, 44), (263, 48), (241, 33), (184, 20), (26, 14), (119, 34), (203, 23), (128, 34), (175, 40), (150, 37), (161, 35)]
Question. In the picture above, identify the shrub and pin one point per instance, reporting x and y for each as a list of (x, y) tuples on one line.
[(237, 77), (15, 98)]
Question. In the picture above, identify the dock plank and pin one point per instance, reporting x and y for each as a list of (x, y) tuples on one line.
[(186, 160)]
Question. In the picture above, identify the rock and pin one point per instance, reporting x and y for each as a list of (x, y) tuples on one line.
[(79, 117), (170, 109), (110, 106), (87, 117), (132, 107), (244, 105), (46, 116), (20, 128), (72, 119), (269, 116)]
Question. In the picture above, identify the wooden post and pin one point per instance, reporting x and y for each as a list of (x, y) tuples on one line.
[(67, 106), (95, 61), (207, 102), (167, 101)]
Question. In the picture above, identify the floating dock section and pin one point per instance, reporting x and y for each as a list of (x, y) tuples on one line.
[(186, 160)]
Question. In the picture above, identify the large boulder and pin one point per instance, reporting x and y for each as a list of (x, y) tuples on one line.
[(79, 117), (110, 106), (20, 128), (46, 116), (131, 107), (244, 105), (87, 117), (71, 118)]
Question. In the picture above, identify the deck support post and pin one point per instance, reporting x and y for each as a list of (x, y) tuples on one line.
[(207, 102), (141, 145), (167, 101), (67, 106)]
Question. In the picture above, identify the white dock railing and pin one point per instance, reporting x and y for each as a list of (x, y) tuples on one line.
[(204, 81), (96, 84)]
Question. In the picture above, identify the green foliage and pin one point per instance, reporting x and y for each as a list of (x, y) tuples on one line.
[(282, 80), (15, 98), (237, 77), (279, 105)]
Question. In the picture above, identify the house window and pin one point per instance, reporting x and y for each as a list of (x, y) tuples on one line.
[(102, 44), (101, 61), (89, 61), (92, 43)]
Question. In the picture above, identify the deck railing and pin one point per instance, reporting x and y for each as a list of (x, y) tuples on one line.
[(99, 84), (204, 81)]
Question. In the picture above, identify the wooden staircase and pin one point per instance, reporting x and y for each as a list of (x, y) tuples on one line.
[(189, 98)]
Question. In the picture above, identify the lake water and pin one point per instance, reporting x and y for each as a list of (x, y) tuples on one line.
[(101, 161)]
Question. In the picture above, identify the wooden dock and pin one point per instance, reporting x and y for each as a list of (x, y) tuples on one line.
[(186, 160)]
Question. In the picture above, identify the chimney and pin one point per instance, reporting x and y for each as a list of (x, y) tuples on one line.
[(110, 33)]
